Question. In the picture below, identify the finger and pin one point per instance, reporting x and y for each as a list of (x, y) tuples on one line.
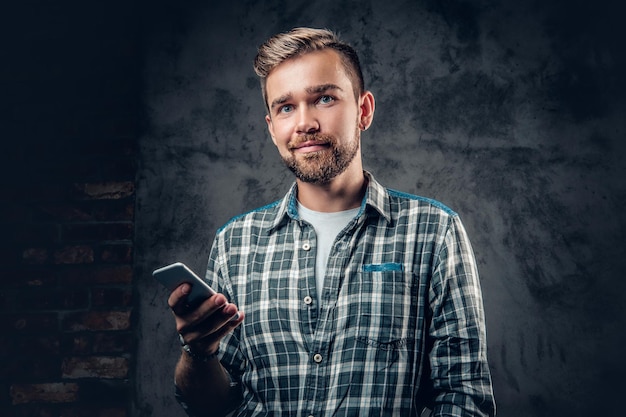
[(207, 315), (211, 342), (177, 300), (215, 327), (231, 325)]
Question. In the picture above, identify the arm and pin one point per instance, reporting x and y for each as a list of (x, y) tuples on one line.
[(458, 359), (203, 385)]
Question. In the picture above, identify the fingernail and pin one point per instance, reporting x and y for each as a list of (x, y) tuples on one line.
[(220, 301)]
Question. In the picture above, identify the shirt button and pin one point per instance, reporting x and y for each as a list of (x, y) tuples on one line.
[(317, 358), (308, 300), (306, 246)]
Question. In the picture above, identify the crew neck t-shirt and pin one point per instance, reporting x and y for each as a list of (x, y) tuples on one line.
[(327, 226)]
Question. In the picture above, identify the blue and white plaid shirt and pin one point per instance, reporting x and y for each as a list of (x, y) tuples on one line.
[(400, 326)]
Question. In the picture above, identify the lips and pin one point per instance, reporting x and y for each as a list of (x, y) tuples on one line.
[(310, 143)]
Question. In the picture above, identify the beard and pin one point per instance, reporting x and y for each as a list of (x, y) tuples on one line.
[(322, 166)]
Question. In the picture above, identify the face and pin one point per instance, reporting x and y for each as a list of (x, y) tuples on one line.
[(314, 118)]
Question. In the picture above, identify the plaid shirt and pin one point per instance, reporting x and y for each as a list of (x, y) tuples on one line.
[(400, 326)]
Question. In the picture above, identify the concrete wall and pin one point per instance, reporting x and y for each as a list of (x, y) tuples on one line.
[(510, 112)]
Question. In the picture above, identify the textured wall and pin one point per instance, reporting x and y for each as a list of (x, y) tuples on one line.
[(510, 112)]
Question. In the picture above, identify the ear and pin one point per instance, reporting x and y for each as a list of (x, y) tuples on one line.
[(367, 105), (270, 127)]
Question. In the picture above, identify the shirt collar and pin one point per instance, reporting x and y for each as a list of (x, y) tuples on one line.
[(376, 197)]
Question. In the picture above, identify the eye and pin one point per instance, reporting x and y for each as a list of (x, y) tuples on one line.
[(287, 108), (326, 99)]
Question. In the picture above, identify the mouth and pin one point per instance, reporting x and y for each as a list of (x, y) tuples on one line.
[(310, 143), (310, 146)]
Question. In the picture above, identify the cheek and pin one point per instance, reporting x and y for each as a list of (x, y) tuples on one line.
[(282, 130), (343, 125)]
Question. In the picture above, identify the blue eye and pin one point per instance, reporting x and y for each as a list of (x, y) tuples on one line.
[(287, 108), (326, 99)]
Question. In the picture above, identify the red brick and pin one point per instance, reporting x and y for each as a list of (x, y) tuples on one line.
[(101, 274), (86, 210), (78, 343), (63, 212), (115, 210), (51, 393), (97, 342), (105, 190), (30, 277), (58, 298), (43, 322), (111, 297), (97, 232), (97, 320), (74, 255), (113, 342), (36, 256), (108, 367), (117, 254)]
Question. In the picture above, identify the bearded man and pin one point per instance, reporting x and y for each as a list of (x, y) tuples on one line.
[(344, 298)]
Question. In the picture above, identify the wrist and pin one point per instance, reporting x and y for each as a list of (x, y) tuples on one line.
[(194, 355)]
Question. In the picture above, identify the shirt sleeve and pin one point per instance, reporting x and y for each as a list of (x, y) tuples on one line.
[(234, 401), (458, 358), (229, 354)]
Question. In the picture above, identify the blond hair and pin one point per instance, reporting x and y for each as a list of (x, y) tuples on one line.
[(299, 41)]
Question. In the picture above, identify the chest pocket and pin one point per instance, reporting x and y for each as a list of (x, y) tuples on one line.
[(386, 298)]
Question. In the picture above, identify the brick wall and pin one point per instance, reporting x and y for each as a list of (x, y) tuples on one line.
[(67, 209)]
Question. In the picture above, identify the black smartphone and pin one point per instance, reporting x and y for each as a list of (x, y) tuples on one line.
[(172, 276)]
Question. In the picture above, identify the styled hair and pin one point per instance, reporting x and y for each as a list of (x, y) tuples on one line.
[(300, 41)]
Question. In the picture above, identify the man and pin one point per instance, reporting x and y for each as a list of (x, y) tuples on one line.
[(344, 298)]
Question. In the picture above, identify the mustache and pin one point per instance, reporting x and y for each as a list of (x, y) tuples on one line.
[(311, 137)]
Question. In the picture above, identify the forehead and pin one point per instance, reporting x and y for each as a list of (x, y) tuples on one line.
[(305, 71)]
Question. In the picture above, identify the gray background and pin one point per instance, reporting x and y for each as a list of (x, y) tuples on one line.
[(510, 112)]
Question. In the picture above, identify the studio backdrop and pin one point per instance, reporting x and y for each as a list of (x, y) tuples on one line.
[(509, 112)]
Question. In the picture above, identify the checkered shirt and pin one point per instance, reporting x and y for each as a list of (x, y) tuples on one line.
[(400, 325)]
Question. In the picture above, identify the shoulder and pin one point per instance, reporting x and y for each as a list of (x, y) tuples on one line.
[(419, 203), (259, 217), (393, 204)]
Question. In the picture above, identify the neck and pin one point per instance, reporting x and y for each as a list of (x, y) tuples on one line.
[(344, 192)]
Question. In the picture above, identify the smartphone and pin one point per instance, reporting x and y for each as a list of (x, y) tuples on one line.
[(174, 275)]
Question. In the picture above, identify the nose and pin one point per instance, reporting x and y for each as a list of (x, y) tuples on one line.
[(307, 120)]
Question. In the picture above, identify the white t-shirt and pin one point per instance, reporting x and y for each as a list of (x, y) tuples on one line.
[(327, 226)]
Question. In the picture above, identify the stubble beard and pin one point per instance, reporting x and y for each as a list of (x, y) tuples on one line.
[(322, 166)]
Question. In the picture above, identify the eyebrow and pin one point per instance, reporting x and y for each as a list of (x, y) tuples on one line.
[(316, 89)]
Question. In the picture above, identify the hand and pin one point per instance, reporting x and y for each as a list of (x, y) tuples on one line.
[(205, 325)]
